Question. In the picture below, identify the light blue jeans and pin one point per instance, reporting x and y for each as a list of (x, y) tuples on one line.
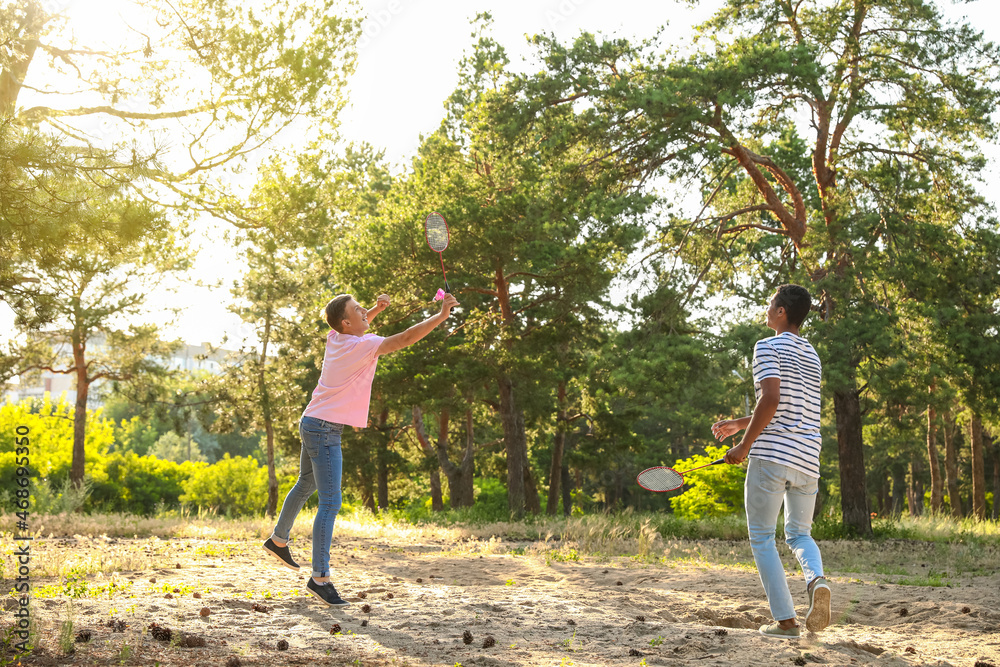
[(767, 485), (321, 465)]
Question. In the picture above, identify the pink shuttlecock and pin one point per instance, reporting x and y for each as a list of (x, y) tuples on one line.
[(439, 295)]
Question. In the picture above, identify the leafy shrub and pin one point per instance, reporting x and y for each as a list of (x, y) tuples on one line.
[(230, 486), (66, 498), (490, 506), (135, 435), (138, 484), (50, 443), (711, 492), (175, 447)]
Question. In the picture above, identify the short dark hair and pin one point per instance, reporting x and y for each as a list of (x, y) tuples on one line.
[(334, 311), (796, 301)]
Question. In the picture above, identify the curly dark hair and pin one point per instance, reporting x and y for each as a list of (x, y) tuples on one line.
[(796, 301)]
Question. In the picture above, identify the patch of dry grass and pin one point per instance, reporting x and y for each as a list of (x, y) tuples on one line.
[(119, 543)]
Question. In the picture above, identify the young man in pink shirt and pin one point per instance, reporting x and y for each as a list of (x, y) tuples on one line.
[(341, 398)]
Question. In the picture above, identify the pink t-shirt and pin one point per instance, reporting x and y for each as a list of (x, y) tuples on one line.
[(345, 384)]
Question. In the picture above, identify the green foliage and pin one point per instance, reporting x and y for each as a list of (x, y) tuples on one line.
[(230, 75), (712, 492), (134, 435), (62, 499), (91, 290), (120, 481), (490, 506), (539, 233), (177, 448), (50, 441), (191, 404), (230, 486), (42, 218), (139, 484)]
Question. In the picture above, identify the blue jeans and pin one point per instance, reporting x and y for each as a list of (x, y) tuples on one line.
[(320, 467), (767, 485)]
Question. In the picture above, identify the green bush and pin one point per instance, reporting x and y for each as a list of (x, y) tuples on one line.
[(135, 435), (65, 498), (711, 492), (50, 444), (138, 484), (172, 446), (490, 506), (230, 486)]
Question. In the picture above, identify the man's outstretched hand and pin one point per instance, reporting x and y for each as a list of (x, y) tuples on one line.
[(447, 303)]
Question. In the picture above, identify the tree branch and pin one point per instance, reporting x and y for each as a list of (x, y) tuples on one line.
[(480, 290), (37, 113), (729, 216), (742, 228)]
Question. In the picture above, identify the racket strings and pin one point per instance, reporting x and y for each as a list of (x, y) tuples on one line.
[(436, 231), (660, 479)]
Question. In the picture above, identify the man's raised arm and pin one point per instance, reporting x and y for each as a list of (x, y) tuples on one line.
[(418, 331)]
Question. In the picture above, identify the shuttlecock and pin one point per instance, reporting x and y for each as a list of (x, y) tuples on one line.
[(439, 295)]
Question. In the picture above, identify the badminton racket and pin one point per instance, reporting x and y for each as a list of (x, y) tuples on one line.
[(662, 478), (437, 235)]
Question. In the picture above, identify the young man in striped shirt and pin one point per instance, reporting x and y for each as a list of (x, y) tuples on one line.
[(782, 440)]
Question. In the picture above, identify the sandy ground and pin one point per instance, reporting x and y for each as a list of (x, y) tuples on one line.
[(538, 611)]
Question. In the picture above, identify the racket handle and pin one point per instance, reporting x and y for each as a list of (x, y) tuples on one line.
[(713, 463), (447, 287)]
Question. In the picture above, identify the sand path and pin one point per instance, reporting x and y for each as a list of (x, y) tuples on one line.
[(543, 612)]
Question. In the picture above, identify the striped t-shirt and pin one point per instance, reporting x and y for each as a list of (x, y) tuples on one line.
[(792, 437)]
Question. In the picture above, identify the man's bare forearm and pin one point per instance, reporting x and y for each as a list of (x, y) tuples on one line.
[(742, 422), (412, 335), (421, 329)]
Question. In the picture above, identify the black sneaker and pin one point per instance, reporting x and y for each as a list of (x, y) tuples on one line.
[(326, 593), (281, 553)]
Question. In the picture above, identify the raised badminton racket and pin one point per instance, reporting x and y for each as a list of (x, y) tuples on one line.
[(438, 236), (662, 478)]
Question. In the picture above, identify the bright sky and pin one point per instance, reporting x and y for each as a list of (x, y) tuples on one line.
[(407, 67)]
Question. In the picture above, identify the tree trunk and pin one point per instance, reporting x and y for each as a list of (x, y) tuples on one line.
[(272, 477), (978, 468), (265, 404), (437, 497), (521, 492), (24, 46), (915, 489), (382, 481), (437, 501), (951, 466), (516, 446), (937, 490), (531, 501), (450, 469), (567, 490), (76, 470), (898, 490), (853, 494), (883, 499), (367, 497), (462, 489), (381, 463), (555, 470), (996, 479)]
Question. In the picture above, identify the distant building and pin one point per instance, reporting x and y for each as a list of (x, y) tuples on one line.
[(188, 358)]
